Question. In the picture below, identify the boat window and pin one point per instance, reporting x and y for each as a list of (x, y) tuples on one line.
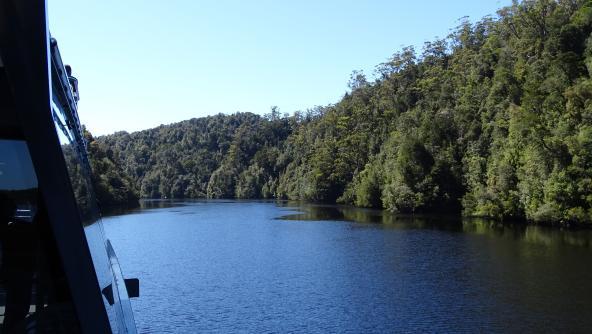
[(74, 152), (34, 296)]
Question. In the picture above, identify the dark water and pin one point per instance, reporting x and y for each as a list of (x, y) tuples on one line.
[(263, 267)]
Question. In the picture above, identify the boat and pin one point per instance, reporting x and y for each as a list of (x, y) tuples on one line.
[(59, 273)]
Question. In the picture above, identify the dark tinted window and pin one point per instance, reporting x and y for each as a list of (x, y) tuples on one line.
[(34, 295)]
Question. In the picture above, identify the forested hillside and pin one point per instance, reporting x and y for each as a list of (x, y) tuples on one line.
[(494, 120), (112, 186)]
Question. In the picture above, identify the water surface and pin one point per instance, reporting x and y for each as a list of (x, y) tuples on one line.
[(230, 266)]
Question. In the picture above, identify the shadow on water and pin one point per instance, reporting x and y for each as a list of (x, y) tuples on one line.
[(150, 204), (543, 235), (145, 204)]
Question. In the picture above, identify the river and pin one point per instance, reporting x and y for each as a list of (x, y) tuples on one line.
[(234, 266)]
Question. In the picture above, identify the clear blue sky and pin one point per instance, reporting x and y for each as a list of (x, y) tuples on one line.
[(145, 63)]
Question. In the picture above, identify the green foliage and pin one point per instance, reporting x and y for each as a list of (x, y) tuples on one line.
[(112, 186), (216, 157), (494, 120)]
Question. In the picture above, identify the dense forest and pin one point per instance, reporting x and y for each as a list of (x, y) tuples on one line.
[(111, 185), (494, 120)]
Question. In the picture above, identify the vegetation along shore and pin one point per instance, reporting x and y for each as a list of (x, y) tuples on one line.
[(494, 120)]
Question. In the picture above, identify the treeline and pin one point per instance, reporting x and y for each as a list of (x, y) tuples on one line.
[(494, 120), (215, 157)]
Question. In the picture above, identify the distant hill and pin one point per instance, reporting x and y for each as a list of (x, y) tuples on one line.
[(495, 120), (222, 156)]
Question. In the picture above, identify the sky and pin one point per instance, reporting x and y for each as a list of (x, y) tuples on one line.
[(143, 63)]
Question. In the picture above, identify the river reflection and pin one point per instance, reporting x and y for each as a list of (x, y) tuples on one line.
[(549, 236), (255, 266)]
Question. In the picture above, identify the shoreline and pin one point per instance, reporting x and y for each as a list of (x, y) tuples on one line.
[(115, 210)]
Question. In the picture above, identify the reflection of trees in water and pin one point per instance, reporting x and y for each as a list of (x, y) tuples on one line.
[(541, 235), (532, 234), (159, 204)]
